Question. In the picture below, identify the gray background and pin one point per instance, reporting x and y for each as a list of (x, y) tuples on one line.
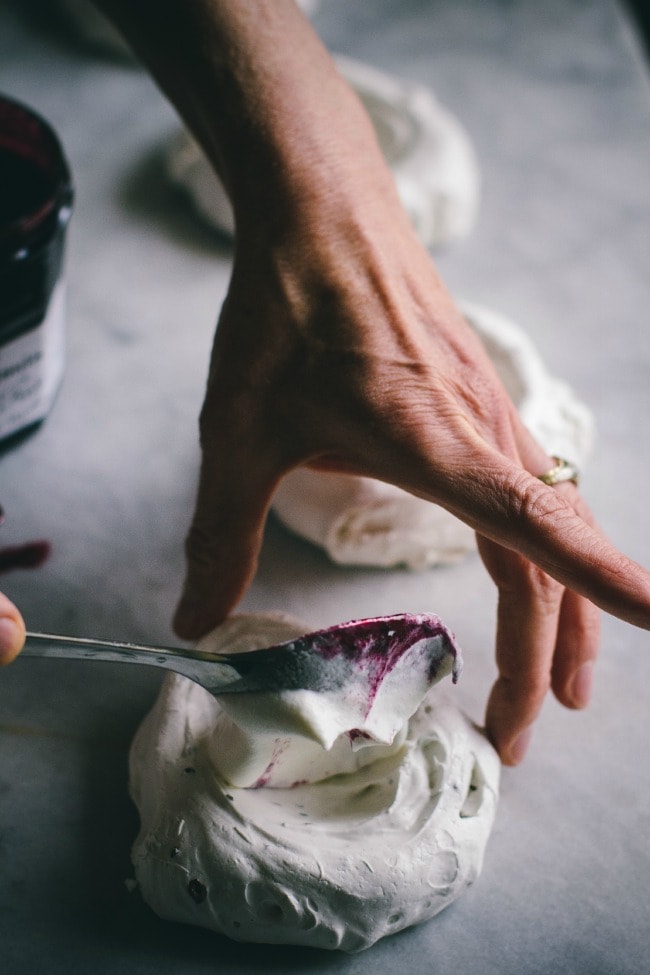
[(555, 96)]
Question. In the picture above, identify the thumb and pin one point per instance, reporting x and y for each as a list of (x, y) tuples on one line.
[(12, 631), (224, 539)]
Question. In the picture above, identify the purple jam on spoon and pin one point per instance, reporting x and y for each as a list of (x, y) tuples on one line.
[(365, 651)]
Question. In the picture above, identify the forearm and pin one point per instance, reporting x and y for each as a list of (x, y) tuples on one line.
[(262, 96)]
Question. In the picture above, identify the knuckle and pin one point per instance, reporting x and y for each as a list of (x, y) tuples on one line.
[(536, 683), (540, 511), (526, 683), (200, 546), (545, 591), (530, 503)]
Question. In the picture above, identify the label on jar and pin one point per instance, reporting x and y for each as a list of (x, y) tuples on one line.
[(31, 367)]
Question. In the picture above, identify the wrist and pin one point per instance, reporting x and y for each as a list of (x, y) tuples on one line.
[(263, 97)]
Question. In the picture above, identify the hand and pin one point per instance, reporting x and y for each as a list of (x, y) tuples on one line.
[(12, 631), (339, 347)]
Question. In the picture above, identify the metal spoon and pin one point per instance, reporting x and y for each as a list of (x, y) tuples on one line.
[(325, 660)]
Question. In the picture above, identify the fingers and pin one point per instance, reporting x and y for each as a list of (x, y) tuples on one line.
[(12, 631), (546, 637), (222, 549), (575, 651), (559, 645), (224, 539), (527, 629), (508, 505)]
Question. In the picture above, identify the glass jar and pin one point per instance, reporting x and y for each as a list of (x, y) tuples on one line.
[(35, 206)]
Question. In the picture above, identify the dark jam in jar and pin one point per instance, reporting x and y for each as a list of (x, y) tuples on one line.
[(24, 187), (35, 206)]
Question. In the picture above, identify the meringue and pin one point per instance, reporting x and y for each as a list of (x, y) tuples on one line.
[(383, 840)]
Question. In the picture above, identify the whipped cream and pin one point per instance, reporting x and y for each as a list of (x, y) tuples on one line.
[(356, 826), (359, 521)]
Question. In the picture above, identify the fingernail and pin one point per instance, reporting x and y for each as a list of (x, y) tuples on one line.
[(580, 686), (9, 636), (519, 746)]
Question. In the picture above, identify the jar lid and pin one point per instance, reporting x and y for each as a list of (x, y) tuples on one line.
[(35, 181)]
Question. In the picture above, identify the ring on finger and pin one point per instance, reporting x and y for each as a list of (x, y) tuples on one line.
[(563, 470)]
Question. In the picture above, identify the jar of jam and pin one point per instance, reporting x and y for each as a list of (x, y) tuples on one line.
[(35, 206)]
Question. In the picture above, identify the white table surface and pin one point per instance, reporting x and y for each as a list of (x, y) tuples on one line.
[(555, 96)]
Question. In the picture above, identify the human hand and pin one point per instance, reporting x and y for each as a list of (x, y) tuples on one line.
[(12, 631), (339, 347)]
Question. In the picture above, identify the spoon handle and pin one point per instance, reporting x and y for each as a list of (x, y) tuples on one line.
[(189, 663)]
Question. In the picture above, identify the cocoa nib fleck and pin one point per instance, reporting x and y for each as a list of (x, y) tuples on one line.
[(197, 891)]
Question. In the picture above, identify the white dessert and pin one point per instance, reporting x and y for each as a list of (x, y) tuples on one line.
[(359, 521), (386, 822), (426, 148)]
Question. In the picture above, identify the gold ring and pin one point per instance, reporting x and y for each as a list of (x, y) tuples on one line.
[(563, 470)]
